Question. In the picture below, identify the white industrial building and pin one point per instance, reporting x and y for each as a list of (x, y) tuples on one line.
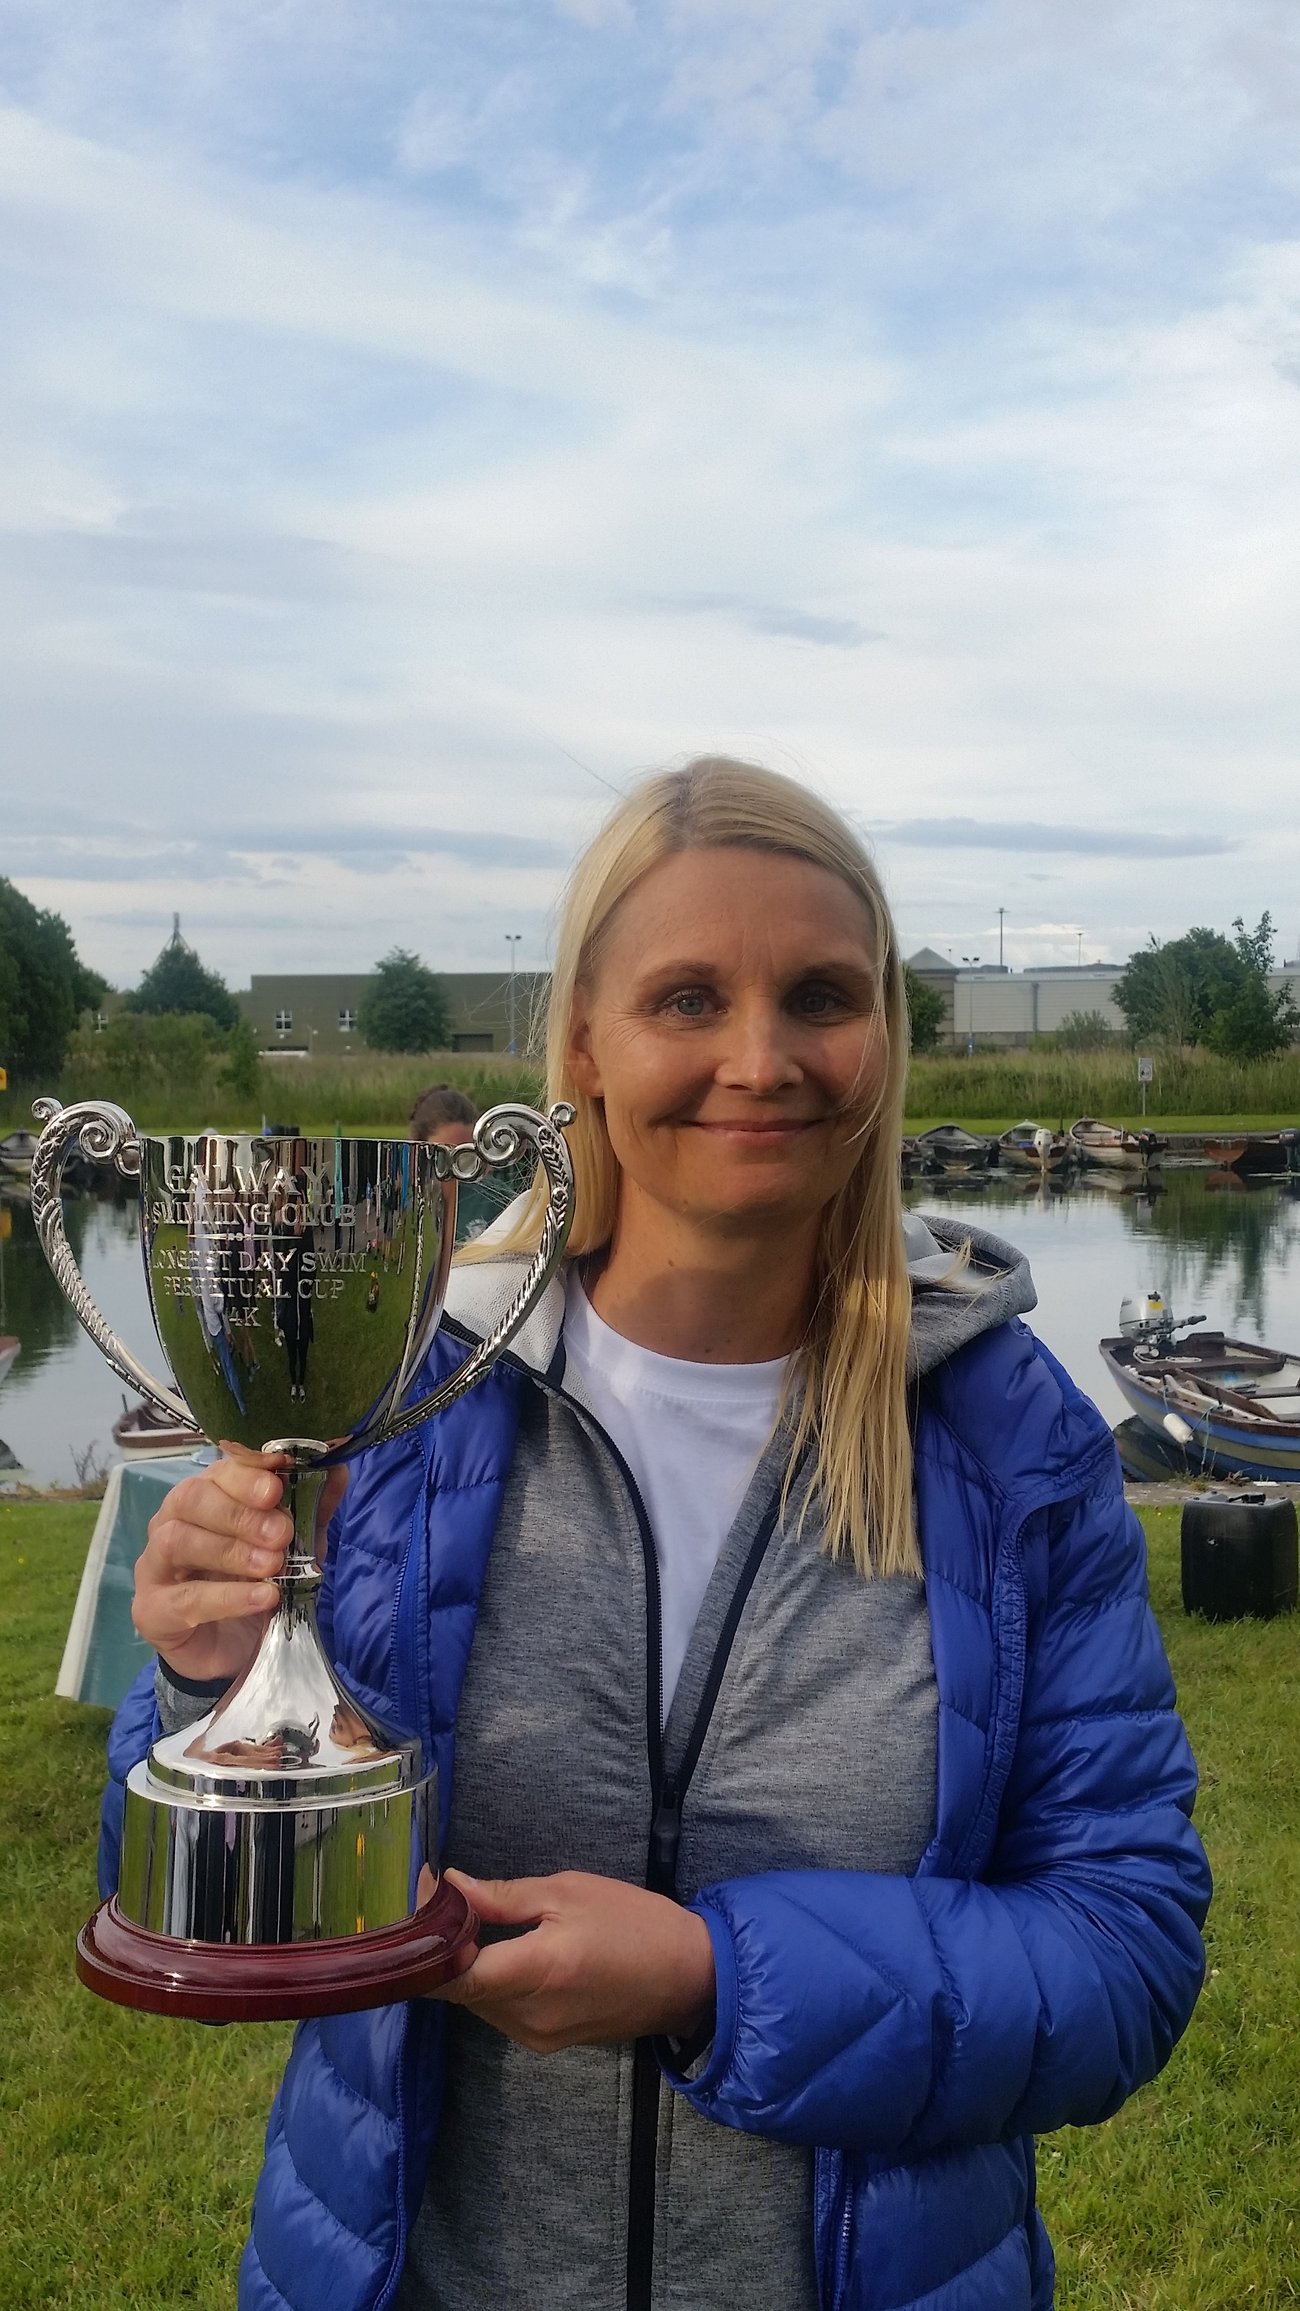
[(990, 1004)]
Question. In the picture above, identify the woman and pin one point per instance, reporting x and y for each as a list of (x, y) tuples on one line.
[(779, 1601)]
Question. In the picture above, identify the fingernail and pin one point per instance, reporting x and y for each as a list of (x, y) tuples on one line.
[(272, 1529), (264, 1561), (267, 1488)]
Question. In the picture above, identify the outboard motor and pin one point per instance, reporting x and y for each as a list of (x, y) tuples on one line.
[(1151, 1324)]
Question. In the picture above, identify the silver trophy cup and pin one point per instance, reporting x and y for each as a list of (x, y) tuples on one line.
[(296, 1285)]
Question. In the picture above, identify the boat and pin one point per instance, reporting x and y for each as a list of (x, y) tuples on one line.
[(16, 1152), (1030, 1146), (1224, 1151), (9, 1347), (1232, 1405), (140, 1432), (1114, 1146), (1264, 1152), (946, 1147), (1149, 1457)]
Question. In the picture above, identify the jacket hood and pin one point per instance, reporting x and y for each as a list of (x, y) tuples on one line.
[(952, 1303), (964, 1282)]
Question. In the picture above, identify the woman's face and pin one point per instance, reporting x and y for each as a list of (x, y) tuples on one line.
[(733, 1037)]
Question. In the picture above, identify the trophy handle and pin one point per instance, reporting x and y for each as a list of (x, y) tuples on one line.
[(105, 1133), (498, 1139)]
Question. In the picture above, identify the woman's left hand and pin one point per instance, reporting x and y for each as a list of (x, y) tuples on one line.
[(604, 1961)]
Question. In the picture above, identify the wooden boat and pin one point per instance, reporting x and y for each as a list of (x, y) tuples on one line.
[(1111, 1145), (16, 1152), (1240, 1400), (1264, 1151), (946, 1147), (139, 1432), (1032, 1147)]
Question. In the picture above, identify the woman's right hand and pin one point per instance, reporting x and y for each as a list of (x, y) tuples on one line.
[(205, 1584)]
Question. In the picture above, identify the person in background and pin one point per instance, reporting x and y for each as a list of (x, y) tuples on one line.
[(444, 1114)]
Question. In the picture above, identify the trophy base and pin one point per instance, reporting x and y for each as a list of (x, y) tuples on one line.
[(274, 1981)]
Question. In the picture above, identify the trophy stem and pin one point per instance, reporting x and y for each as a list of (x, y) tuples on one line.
[(303, 1484)]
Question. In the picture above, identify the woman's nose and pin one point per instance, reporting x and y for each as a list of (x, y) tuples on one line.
[(759, 1056)]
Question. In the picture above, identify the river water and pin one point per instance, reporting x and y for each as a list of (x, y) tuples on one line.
[(1212, 1244)]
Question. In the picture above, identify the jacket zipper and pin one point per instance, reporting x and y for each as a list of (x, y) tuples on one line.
[(661, 1878), (666, 1799)]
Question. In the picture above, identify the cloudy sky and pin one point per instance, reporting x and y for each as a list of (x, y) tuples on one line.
[(417, 417)]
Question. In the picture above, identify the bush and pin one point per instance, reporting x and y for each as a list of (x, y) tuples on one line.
[(1085, 1031)]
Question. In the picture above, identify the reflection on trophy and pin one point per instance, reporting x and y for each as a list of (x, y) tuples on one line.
[(268, 1852)]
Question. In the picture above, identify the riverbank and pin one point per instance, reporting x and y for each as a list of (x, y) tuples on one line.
[(991, 1090), (1167, 1126), (141, 2139)]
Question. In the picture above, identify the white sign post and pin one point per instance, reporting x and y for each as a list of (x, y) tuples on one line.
[(1146, 1075)]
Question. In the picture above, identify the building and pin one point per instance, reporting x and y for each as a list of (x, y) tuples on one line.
[(988, 1004), (315, 1015)]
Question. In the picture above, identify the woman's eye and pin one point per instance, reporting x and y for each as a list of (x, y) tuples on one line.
[(818, 1000), (689, 1003)]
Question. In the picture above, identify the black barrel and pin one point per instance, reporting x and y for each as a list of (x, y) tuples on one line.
[(1239, 1557)]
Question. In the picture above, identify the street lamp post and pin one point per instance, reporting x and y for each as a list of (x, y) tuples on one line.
[(512, 941), (971, 961)]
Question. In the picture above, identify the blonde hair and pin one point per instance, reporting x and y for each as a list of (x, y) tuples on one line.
[(849, 1403)]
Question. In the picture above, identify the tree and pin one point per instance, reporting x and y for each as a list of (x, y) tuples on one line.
[(1252, 1022), (44, 987), (1206, 989), (924, 1009), (1169, 993), (406, 1009), (177, 981)]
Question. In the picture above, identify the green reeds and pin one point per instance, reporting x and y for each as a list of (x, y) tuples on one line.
[(375, 1092)]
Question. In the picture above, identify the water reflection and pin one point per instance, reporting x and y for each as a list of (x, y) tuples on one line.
[(1215, 1228), (1209, 1242)]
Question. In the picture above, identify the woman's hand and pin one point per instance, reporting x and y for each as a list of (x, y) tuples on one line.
[(205, 1584), (604, 1962)]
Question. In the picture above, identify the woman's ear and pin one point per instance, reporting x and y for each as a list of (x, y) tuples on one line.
[(579, 1055)]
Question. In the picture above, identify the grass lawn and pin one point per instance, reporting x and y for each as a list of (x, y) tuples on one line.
[(131, 2145)]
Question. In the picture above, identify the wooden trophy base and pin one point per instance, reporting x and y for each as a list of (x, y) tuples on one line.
[(275, 1981)]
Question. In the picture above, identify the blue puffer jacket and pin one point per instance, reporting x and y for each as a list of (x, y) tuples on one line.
[(1037, 1969)]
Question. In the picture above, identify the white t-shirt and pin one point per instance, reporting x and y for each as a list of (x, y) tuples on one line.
[(691, 1435)]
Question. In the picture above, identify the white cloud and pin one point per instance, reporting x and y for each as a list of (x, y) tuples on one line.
[(399, 405)]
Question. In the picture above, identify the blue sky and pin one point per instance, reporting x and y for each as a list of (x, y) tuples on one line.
[(415, 419)]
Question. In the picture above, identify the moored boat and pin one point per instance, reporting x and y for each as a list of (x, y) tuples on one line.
[(1148, 1457), (1030, 1146), (1266, 1152), (1113, 1145), (947, 1147), (16, 1151), (140, 1431), (1235, 1404), (1224, 1153)]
